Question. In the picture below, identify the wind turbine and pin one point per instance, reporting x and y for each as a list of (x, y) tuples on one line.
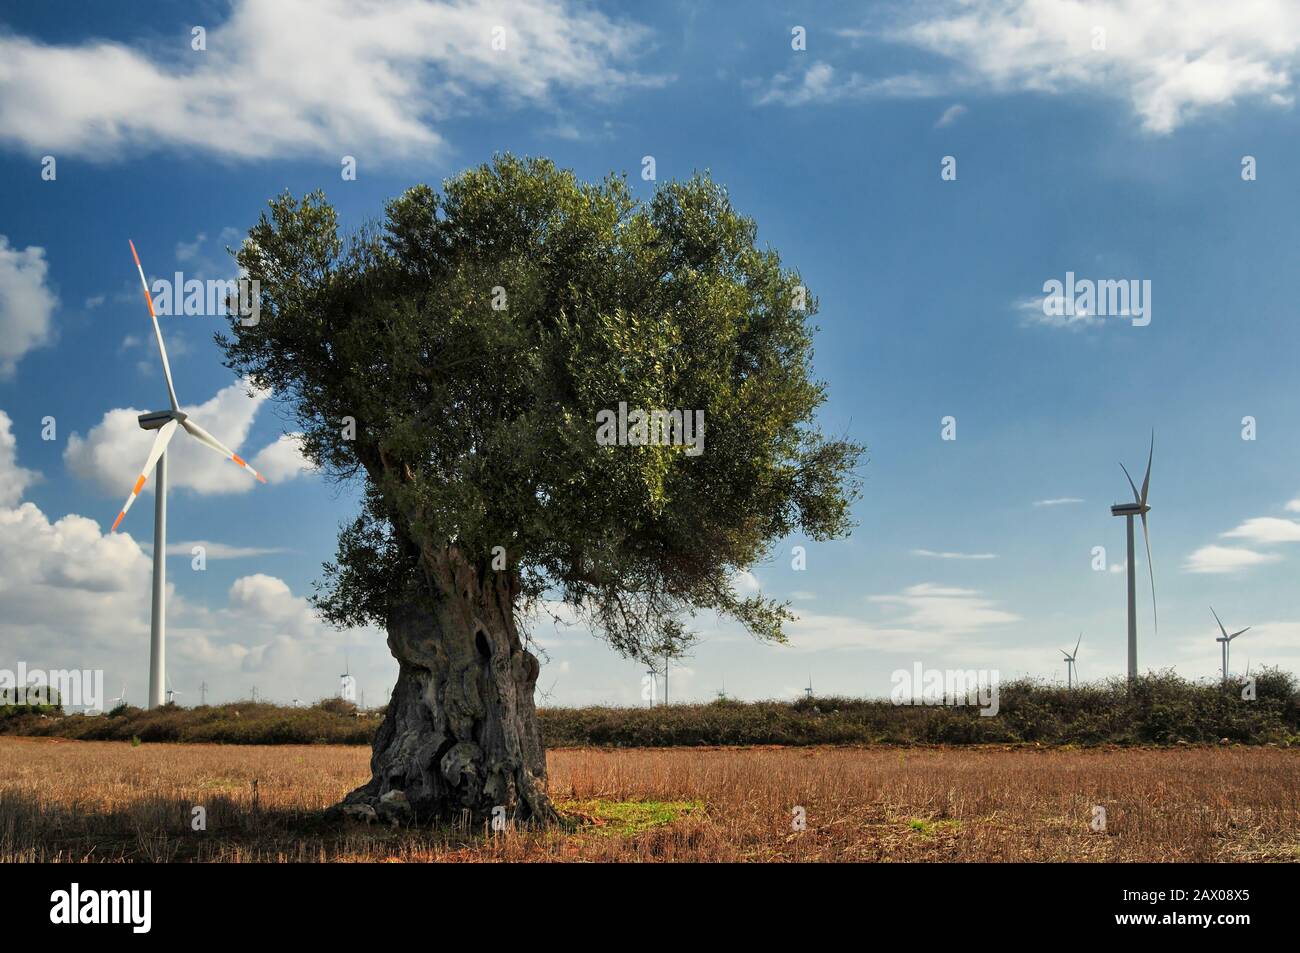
[(165, 422), (1140, 508), (1225, 639), (120, 698), (808, 691), (347, 683), (1070, 663)]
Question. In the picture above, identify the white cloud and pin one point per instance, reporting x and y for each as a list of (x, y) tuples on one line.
[(745, 583), (26, 302), (923, 617), (112, 452), (1225, 559), (282, 460), (950, 115), (931, 554), (1266, 529), (1033, 312), (328, 77), (77, 597), (14, 480), (818, 84), (1058, 501), (1170, 62), (945, 610)]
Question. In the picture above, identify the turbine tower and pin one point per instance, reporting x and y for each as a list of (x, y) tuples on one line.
[(1140, 508), (1070, 663), (1225, 639), (165, 422)]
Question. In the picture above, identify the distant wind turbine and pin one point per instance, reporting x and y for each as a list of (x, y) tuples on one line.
[(1225, 639), (165, 422), (1070, 662), (1140, 508)]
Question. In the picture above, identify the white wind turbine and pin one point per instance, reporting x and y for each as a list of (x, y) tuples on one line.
[(1140, 508), (1225, 639), (1070, 662), (165, 422)]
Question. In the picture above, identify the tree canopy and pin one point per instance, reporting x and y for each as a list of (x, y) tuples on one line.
[(474, 337)]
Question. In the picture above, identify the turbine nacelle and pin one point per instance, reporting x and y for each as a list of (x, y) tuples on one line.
[(1129, 509), (156, 419)]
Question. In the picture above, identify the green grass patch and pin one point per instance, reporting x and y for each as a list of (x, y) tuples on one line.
[(928, 827), (625, 818)]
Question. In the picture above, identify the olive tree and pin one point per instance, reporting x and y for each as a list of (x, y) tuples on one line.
[(510, 370)]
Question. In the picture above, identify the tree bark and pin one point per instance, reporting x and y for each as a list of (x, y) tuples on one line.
[(461, 737)]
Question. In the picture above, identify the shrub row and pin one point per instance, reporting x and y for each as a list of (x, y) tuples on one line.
[(1160, 709)]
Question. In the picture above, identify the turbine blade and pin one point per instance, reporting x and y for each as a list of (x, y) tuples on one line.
[(157, 331), (1146, 480), (1137, 499), (205, 438), (1155, 619), (1216, 619), (1077, 644), (159, 445), (1235, 634)]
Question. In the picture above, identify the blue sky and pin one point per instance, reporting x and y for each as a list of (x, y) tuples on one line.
[(1119, 162)]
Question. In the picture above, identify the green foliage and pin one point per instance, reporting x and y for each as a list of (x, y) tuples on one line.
[(29, 708), (476, 426)]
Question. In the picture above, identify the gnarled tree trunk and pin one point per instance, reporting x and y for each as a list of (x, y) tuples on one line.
[(461, 736)]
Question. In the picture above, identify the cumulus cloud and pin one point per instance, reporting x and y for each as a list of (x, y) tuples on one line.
[(26, 302), (77, 597), (111, 453), (282, 460), (14, 480), (311, 76)]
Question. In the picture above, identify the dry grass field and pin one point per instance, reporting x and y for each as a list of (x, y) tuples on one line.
[(109, 801)]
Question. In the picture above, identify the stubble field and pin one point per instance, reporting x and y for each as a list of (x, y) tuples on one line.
[(111, 801)]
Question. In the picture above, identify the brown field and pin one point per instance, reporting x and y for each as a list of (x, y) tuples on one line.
[(109, 801)]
